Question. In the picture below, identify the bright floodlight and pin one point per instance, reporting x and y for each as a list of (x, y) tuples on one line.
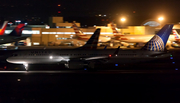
[(50, 57), (160, 18), (123, 19)]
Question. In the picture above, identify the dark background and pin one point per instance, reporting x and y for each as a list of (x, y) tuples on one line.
[(86, 12)]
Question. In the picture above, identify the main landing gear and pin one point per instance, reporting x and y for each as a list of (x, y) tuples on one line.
[(26, 66)]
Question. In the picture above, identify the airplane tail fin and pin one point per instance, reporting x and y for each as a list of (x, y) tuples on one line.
[(158, 42), (77, 31), (3, 28), (18, 30), (176, 34), (93, 41), (114, 29)]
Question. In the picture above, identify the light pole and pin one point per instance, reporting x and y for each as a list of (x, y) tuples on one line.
[(122, 20), (160, 20)]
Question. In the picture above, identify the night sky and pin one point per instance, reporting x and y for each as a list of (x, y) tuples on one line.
[(86, 12)]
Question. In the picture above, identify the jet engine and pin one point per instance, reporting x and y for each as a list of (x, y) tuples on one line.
[(79, 64), (75, 64)]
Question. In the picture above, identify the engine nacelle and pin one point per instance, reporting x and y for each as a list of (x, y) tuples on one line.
[(75, 64)]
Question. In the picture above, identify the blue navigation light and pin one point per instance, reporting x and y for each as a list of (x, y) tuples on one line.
[(171, 57), (116, 65), (5, 49), (85, 68), (173, 62), (176, 69)]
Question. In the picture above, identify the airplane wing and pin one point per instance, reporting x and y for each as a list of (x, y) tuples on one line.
[(103, 58), (159, 55)]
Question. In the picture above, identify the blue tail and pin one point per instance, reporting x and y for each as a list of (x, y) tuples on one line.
[(18, 30), (158, 42), (93, 41)]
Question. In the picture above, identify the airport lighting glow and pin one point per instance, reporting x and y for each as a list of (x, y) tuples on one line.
[(123, 19), (160, 18), (50, 57)]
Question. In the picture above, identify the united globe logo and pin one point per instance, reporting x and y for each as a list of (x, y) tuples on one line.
[(155, 44)]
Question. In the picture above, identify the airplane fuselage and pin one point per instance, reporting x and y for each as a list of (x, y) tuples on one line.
[(101, 38), (140, 38), (61, 56)]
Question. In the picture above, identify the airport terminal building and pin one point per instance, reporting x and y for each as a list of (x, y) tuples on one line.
[(62, 32)]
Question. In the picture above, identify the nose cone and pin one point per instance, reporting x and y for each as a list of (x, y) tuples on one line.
[(15, 60), (9, 60)]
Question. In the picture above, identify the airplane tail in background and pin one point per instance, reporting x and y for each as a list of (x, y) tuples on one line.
[(158, 42), (176, 34), (93, 41), (18, 30), (77, 31), (114, 29), (3, 28)]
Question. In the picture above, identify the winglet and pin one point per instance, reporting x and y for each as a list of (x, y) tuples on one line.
[(116, 52), (158, 42), (105, 47), (18, 30), (3, 28)]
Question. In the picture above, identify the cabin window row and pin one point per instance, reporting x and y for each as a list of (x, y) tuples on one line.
[(72, 54)]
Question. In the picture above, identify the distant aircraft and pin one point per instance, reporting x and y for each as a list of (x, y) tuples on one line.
[(176, 43), (175, 33), (82, 58), (81, 36), (114, 29), (93, 41), (3, 28), (14, 36), (137, 39)]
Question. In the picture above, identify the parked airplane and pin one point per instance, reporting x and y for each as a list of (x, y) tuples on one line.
[(176, 43), (3, 28), (136, 39), (80, 58), (175, 33), (83, 37), (14, 36), (80, 38), (114, 29), (93, 41)]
